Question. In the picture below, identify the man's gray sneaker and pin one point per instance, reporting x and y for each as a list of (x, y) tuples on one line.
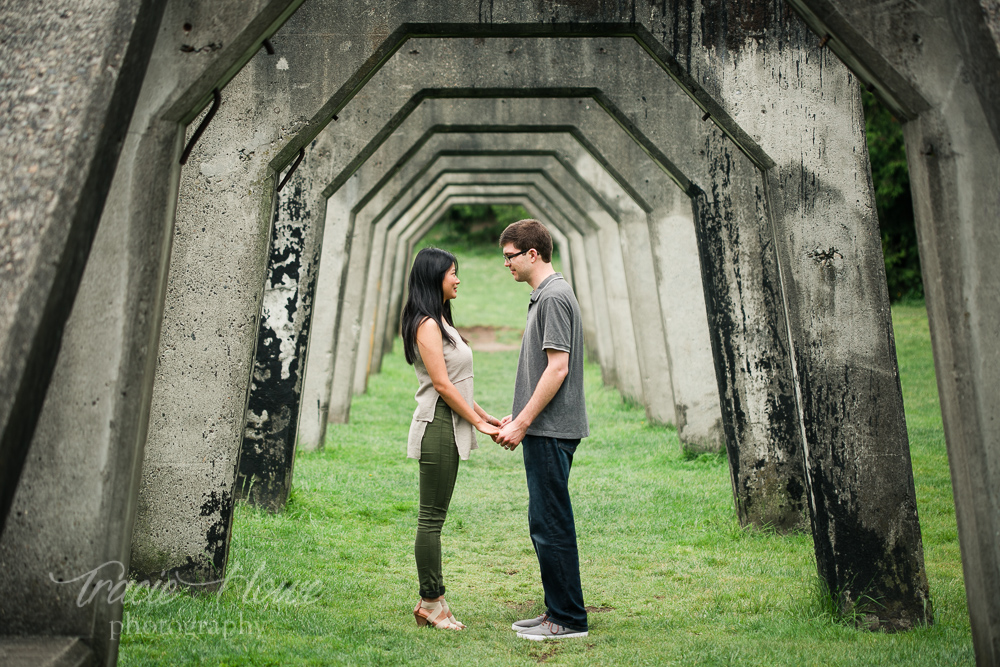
[(530, 622), (550, 630)]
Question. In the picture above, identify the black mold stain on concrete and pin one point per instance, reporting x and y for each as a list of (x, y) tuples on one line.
[(729, 24), (872, 560), (739, 269), (266, 458), (201, 573), (219, 532)]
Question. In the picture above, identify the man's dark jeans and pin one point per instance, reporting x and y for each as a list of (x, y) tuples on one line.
[(547, 462)]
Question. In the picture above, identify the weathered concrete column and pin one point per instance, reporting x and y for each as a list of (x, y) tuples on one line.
[(268, 451), (74, 512), (208, 337), (864, 515), (938, 66), (68, 102)]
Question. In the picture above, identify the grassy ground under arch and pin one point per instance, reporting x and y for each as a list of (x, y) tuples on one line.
[(671, 576)]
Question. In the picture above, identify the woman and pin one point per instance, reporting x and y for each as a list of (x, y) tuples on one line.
[(445, 421)]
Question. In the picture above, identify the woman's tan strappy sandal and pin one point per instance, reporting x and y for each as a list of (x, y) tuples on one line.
[(436, 614), (452, 616)]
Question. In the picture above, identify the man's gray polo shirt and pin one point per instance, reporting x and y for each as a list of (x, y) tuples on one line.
[(553, 323)]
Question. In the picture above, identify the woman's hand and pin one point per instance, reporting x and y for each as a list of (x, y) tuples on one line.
[(487, 427)]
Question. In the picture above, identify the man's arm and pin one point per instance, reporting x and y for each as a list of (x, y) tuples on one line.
[(548, 385)]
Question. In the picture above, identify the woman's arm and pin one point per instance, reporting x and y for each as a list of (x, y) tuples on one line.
[(485, 415), (432, 353)]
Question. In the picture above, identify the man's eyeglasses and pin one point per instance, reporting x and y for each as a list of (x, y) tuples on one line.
[(511, 256)]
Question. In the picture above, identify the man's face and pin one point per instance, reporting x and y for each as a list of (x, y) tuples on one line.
[(520, 266)]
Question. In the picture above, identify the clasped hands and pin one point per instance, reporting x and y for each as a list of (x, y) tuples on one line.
[(509, 432)]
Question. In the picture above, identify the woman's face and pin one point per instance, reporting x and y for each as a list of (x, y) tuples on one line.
[(450, 283)]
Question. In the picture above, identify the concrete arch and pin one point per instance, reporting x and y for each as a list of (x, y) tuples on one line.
[(730, 71), (651, 182), (726, 161), (624, 336)]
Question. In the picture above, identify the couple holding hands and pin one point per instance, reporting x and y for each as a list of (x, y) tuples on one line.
[(548, 418)]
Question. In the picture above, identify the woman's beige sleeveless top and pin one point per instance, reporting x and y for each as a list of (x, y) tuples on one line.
[(458, 361)]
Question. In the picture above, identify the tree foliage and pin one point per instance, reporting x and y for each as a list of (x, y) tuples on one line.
[(475, 225), (892, 199)]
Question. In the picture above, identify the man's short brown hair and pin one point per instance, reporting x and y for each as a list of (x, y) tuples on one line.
[(527, 234)]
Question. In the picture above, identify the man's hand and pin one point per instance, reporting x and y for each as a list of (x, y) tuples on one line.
[(511, 433), (503, 422)]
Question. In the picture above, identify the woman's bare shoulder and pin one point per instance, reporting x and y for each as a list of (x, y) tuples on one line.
[(427, 324)]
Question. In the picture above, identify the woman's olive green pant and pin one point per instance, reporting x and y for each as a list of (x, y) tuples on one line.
[(438, 470)]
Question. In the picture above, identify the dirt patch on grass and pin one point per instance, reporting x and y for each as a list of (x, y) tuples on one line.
[(492, 339)]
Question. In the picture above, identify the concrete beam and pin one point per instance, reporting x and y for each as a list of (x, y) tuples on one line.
[(938, 65), (705, 431)]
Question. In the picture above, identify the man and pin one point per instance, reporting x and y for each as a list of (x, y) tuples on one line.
[(549, 418)]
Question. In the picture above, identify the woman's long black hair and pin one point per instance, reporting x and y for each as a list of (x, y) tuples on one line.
[(426, 297)]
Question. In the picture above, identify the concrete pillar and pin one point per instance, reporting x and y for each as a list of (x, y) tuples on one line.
[(75, 508), (938, 67), (61, 143), (268, 451), (864, 514), (209, 331)]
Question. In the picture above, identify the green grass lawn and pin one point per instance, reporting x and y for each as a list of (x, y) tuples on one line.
[(670, 575)]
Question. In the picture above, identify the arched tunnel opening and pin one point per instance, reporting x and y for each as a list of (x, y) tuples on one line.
[(707, 186)]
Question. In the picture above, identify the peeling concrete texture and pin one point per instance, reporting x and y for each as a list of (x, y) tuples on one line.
[(938, 65), (268, 451)]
